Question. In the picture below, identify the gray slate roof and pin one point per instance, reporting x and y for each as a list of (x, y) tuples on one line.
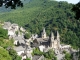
[(36, 57), (19, 48), (6, 25), (42, 40), (20, 39)]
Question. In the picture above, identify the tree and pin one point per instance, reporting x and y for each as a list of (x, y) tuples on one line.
[(64, 52), (6, 43), (27, 35), (4, 55), (50, 55), (14, 55), (28, 59), (3, 33), (68, 56), (36, 51), (76, 9)]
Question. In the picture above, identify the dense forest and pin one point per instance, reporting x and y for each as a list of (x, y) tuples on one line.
[(52, 15)]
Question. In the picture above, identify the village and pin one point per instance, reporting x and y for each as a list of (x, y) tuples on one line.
[(24, 47)]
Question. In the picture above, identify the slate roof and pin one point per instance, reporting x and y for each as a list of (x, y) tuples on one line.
[(40, 41), (20, 39), (14, 24), (36, 57), (6, 25), (19, 48)]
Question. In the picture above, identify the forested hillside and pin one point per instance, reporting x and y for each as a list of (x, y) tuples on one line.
[(52, 15)]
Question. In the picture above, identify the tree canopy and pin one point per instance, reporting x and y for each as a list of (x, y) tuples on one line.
[(14, 55), (36, 51), (4, 55), (68, 56), (3, 33), (76, 9), (6, 43), (50, 55), (27, 35)]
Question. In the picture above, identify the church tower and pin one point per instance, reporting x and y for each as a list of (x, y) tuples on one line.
[(55, 43), (51, 40), (44, 33), (58, 39)]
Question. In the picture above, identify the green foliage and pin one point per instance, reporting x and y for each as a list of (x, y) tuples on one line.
[(76, 9), (6, 43), (71, 38), (3, 33), (36, 51), (50, 55), (16, 32), (64, 52), (68, 56), (14, 55), (27, 35), (4, 55), (28, 59)]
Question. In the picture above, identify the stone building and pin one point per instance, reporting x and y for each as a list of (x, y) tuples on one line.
[(49, 42), (46, 41), (43, 34), (12, 28), (55, 42)]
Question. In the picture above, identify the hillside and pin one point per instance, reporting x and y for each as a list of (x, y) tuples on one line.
[(52, 15)]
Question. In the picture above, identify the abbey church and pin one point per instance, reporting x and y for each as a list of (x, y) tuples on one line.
[(46, 41)]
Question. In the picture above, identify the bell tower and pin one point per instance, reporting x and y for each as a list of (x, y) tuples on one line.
[(51, 40), (44, 33), (58, 39)]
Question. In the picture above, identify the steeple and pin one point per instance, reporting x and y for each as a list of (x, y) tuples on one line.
[(52, 36), (44, 30), (58, 36), (51, 39), (44, 33), (58, 39)]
